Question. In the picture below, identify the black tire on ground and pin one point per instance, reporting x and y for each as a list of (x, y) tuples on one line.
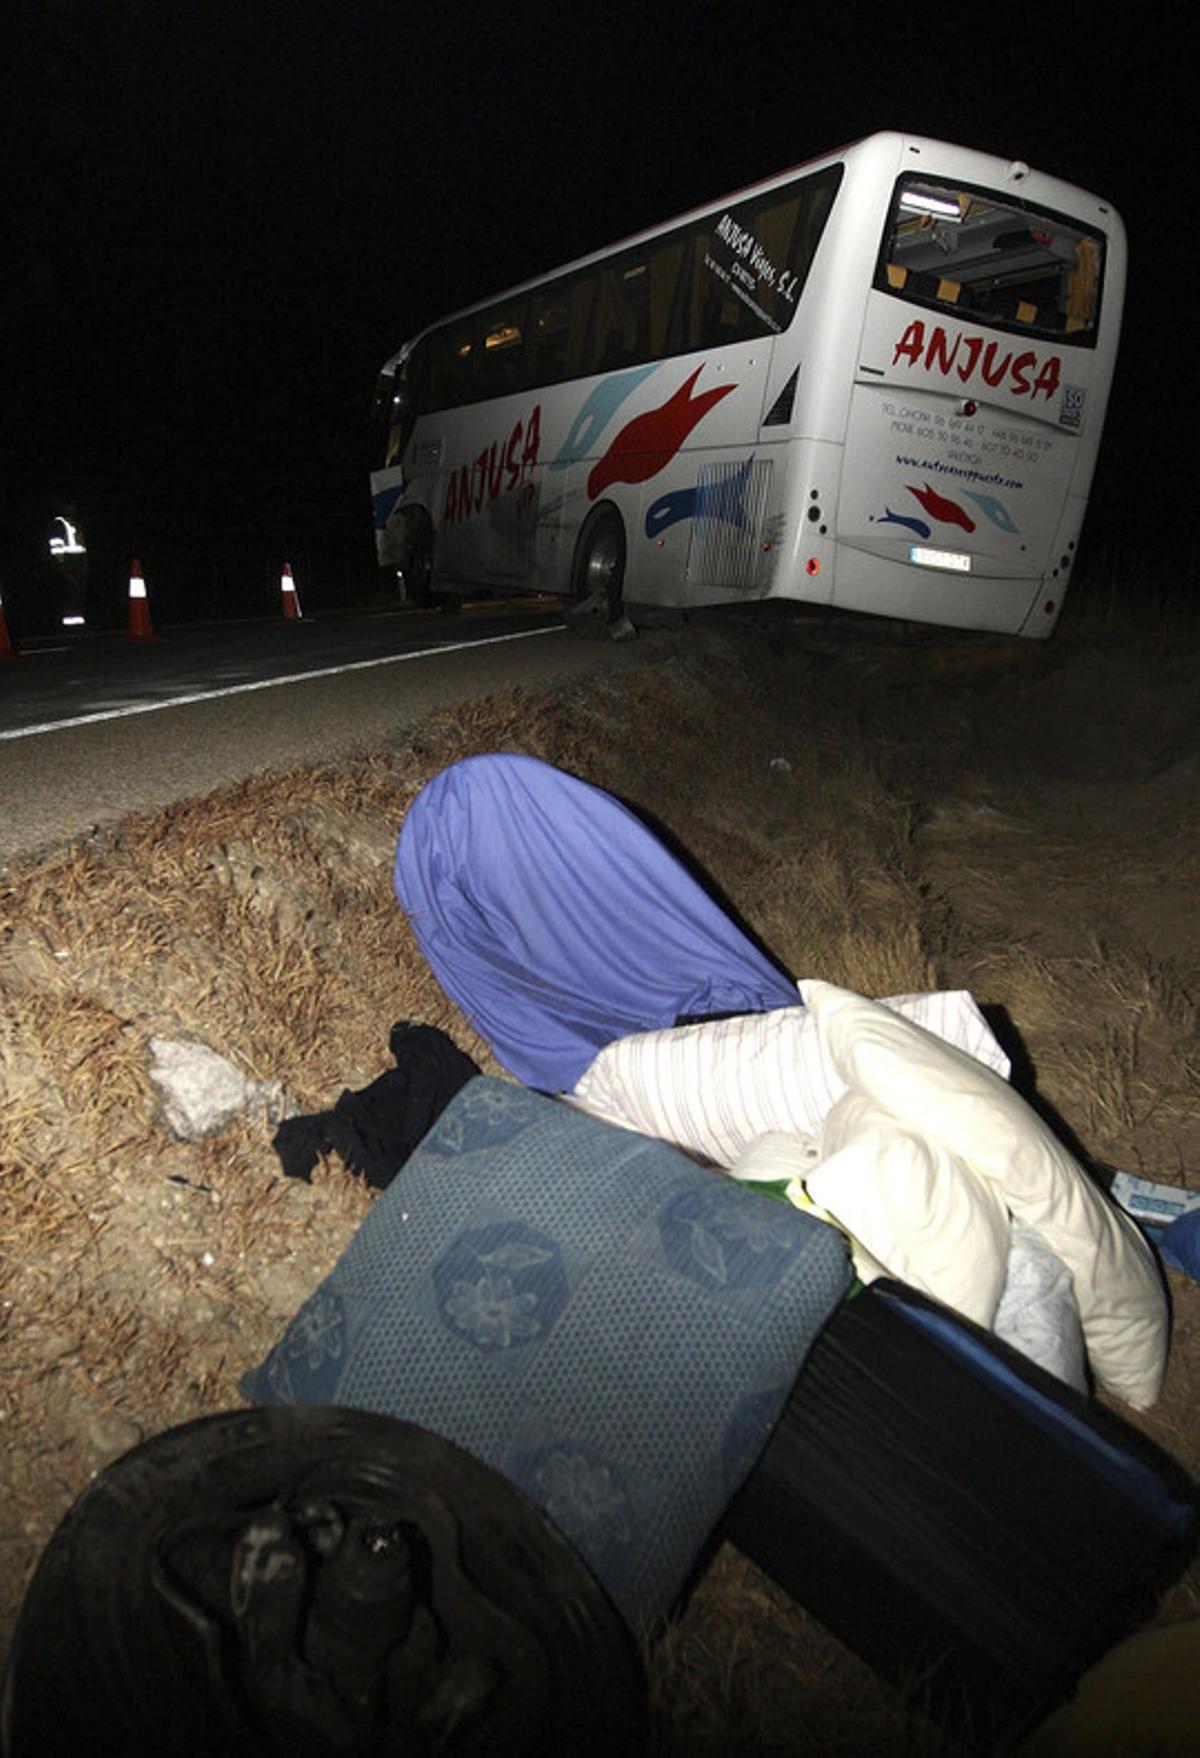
[(318, 1581), (597, 574), (418, 574)]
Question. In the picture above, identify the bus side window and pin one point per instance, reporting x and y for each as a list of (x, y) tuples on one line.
[(714, 314), (700, 294), (818, 196), (747, 268), (583, 298), (665, 265), (776, 224), (502, 357), (550, 334), (558, 330), (619, 327), (450, 374)]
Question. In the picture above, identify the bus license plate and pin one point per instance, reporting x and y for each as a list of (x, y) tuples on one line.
[(939, 558)]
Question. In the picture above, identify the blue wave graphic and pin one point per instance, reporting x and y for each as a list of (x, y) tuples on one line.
[(917, 525)]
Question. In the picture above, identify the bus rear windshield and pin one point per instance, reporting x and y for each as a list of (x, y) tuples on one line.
[(1006, 264)]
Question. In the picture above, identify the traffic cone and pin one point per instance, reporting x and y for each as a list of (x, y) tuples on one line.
[(7, 650), (290, 597), (140, 628)]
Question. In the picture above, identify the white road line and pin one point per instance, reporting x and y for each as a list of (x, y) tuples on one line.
[(296, 677)]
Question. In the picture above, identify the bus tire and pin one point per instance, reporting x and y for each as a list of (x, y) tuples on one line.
[(417, 573), (595, 606)]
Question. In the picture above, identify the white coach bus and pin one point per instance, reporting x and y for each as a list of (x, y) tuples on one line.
[(877, 382)]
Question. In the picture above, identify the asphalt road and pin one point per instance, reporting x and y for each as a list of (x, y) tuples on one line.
[(111, 726)]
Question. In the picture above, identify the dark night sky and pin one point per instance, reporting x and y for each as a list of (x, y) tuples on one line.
[(222, 215)]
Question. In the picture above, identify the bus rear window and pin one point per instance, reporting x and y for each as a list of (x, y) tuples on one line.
[(992, 257)]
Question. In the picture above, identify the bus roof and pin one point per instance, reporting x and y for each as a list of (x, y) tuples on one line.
[(989, 168)]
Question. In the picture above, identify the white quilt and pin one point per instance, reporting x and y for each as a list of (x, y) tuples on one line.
[(896, 1118)]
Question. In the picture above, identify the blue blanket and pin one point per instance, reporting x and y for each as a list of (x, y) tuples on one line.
[(609, 1325), (558, 922)]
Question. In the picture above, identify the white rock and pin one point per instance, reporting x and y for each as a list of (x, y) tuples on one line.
[(201, 1091)]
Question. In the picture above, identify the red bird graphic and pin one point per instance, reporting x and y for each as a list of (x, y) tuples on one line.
[(938, 507), (648, 442)]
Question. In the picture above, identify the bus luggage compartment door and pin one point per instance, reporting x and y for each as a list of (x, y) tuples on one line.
[(949, 507)]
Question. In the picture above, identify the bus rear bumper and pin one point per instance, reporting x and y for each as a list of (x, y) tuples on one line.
[(926, 592)]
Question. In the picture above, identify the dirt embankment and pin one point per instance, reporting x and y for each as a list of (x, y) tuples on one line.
[(885, 809)]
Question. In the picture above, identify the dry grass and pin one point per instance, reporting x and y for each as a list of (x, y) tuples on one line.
[(866, 808)]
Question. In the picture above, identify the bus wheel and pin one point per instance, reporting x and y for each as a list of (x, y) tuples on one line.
[(597, 575), (417, 573)]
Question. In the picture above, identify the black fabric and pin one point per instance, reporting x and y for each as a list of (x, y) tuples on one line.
[(373, 1131), (972, 1552)]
